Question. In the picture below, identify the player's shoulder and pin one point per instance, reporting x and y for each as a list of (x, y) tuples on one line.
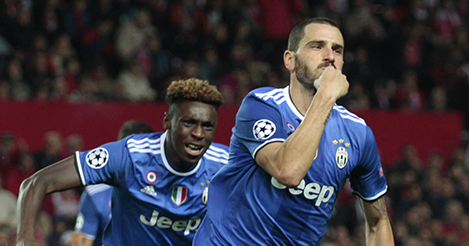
[(267, 94), (144, 137), (142, 147), (348, 116), (143, 143), (97, 188), (217, 152)]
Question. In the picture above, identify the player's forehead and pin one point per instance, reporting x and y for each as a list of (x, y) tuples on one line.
[(197, 110), (321, 33)]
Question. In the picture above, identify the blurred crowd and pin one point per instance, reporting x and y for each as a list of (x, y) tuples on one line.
[(399, 55)]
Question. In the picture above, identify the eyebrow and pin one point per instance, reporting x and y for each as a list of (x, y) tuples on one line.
[(334, 45)]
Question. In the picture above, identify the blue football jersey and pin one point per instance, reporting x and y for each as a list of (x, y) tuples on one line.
[(153, 203), (95, 212), (247, 206)]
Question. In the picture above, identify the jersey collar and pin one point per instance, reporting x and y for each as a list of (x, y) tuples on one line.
[(291, 105), (167, 162)]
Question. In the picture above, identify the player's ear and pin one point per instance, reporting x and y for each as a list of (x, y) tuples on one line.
[(289, 60), (166, 121)]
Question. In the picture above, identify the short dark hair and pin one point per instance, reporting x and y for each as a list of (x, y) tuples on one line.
[(134, 127), (193, 90), (297, 33)]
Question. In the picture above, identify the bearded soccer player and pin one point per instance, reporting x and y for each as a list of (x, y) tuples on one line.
[(159, 180), (292, 151)]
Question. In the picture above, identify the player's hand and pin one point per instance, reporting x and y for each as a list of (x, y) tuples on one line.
[(77, 239), (333, 82)]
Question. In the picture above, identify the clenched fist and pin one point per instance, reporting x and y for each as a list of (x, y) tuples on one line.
[(333, 82)]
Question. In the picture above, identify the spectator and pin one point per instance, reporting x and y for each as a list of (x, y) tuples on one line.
[(14, 76), (156, 62), (74, 143), (132, 34), (408, 96), (24, 168), (51, 151), (8, 152), (8, 205), (135, 86)]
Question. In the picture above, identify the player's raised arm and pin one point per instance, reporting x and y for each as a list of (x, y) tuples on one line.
[(60, 176), (377, 225), (289, 162)]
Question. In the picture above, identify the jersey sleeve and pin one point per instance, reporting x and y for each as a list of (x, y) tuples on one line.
[(88, 220), (108, 163), (367, 179), (258, 123)]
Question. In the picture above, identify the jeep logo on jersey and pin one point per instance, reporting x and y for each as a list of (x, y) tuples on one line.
[(179, 194), (97, 158), (263, 129), (341, 157), (310, 191), (166, 223)]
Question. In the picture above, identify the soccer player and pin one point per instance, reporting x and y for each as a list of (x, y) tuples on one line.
[(159, 180), (95, 202), (292, 151)]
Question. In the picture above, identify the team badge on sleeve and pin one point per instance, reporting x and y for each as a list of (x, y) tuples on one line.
[(263, 129), (97, 158)]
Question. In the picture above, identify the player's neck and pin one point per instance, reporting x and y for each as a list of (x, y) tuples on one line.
[(300, 96), (182, 166), (175, 161)]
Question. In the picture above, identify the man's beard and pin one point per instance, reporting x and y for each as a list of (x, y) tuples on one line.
[(303, 75)]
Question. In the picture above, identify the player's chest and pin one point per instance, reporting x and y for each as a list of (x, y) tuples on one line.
[(161, 188)]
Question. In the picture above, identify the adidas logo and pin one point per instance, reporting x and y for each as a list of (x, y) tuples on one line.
[(150, 190)]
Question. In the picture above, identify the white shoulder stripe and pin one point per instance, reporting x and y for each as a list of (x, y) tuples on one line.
[(274, 94), (344, 113), (361, 121), (216, 149), (224, 161), (144, 145), (217, 154), (153, 151), (152, 141), (280, 101)]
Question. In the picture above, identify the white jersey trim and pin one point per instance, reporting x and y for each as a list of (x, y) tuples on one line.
[(222, 154), (291, 105), (80, 168), (144, 145), (166, 162), (373, 197), (345, 114), (264, 144), (90, 237), (93, 189)]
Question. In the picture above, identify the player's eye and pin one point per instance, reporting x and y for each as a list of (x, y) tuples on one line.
[(338, 51), (189, 122), (208, 126)]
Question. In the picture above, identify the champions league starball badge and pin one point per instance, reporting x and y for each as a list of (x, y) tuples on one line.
[(263, 129), (97, 158)]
